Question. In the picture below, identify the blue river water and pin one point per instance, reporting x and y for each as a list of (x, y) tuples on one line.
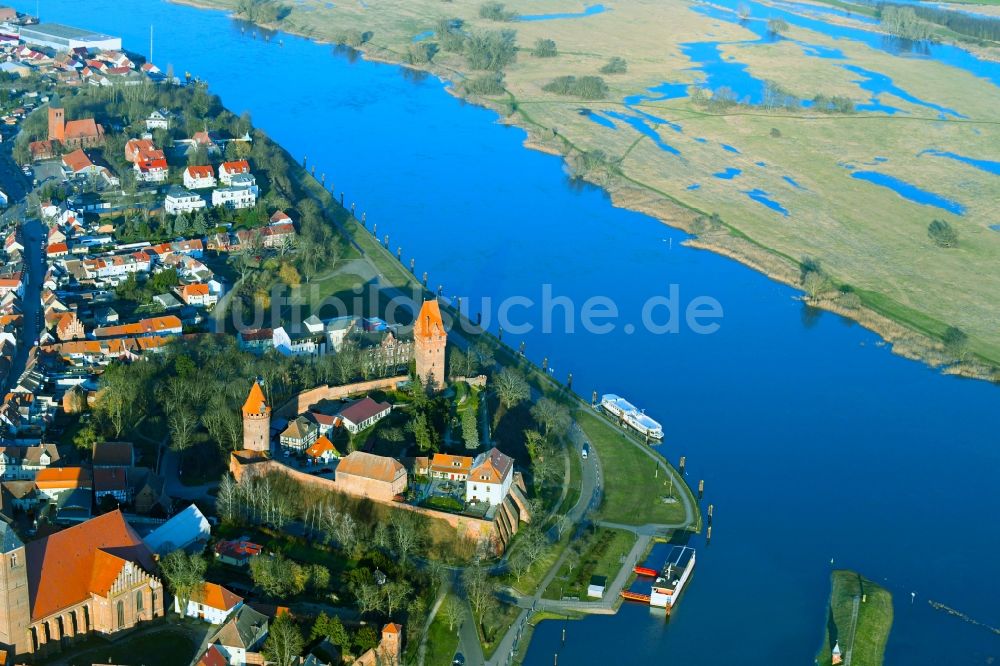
[(910, 191), (590, 10), (815, 441), (989, 166)]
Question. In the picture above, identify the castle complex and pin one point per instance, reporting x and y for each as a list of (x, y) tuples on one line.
[(256, 421), (429, 342)]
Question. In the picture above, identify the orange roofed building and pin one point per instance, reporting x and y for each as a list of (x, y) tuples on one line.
[(367, 475), (93, 577), (429, 342)]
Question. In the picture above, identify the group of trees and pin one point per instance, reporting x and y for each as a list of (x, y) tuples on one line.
[(616, 65), (903, 22), (332, 629), (545, 48), (496, 11), (584, 87), (985, 28), (942, 233), (262, 11), (281, 578), (141, 292), (491, 50)]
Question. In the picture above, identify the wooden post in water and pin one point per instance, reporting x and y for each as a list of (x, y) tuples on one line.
[(440, 290), (399, 253), (387, 240), (375, 230), (313, 170), (569, 382), (353, 207), (364, 218), (545, 364), (593, 399), (708, 535), (683, 464), (520, 349), (305, 159), (711, 507), (341, 199), (322, 180), (425, 278), (413, 264), (479, 318), (701, 488), (500, 333)]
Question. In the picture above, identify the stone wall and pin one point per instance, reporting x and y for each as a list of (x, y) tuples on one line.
[(304, 400), (474, 529)]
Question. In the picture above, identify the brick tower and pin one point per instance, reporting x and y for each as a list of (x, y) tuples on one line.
[(57, 124), (429, 342), (256, 420), (15, 610)]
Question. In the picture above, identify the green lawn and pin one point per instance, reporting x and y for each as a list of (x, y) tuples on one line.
[(442, 642), (873, 623), (601, 554), (633, 490), (163, 645)]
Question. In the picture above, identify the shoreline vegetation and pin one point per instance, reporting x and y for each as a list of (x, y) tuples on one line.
[(858, 621), (912, 334)]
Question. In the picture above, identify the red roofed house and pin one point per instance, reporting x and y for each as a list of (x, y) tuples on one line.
[(41, 150), (92, 577), (364, 413), (77, 162), (322, 451), (237, 553), (199, 177), (210, 602), (56, 250), (70, 327), (280, 217), (229, 169), (490, 478), (197, 294)]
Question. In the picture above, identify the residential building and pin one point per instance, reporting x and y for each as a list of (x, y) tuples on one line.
[(149, 491), (256, 340), (24, 462), (92, 577), (158, 120), (198, 295), (153, 326), (52, 481), (229, 169), (298, 344), (69, 327), (454, 468), (179, 200), (322, 450), (111, 481), (237, 553), (300, 434), (113, 454), (490, 478), (210, 602), (234, 197), (239, 640), (363, 413), (199, 177), (368, 475)]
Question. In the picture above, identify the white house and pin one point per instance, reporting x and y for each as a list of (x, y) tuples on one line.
[(490, 478), (158, 120), (179, 200), (229, 169), (298, 344), (211, 603), (151, 171), (198, 177), (363, 414), (235, 197), (24, 462), (244, 631)]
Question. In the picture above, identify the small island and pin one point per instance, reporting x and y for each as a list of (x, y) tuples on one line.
[(858, 621)]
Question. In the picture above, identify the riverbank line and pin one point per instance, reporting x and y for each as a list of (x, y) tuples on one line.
[(913, 334)]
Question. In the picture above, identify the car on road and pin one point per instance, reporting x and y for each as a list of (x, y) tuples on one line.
[(459, 659)]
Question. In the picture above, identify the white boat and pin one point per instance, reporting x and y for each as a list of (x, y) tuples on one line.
[(670, 583), (631, 415)]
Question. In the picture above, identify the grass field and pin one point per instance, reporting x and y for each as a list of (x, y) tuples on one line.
[(600, 555), (442, 642), (632, 488), (865, 235), (874, 620)]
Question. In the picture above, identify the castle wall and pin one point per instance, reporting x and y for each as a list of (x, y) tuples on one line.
[(304, 400)]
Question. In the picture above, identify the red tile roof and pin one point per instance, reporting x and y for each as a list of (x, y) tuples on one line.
[(428, 324), (64, 569)]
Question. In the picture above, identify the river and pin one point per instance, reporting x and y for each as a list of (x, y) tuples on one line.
[(815, 442)]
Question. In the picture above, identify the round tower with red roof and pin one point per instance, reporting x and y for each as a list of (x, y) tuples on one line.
[(257, 420)]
